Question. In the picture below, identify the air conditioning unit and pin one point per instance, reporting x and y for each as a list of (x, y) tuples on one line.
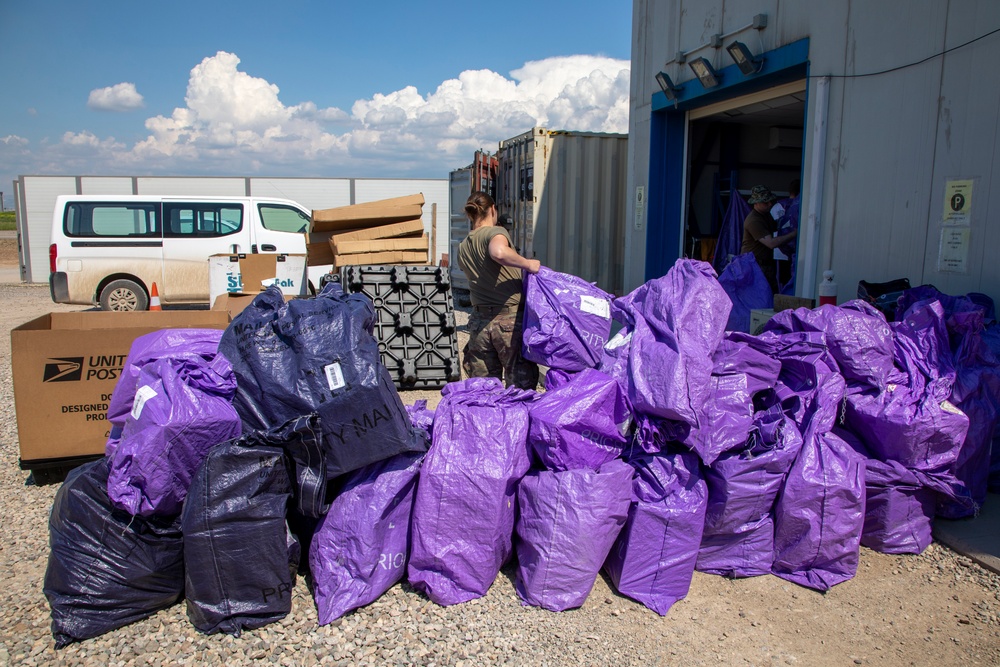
[(785, 137)]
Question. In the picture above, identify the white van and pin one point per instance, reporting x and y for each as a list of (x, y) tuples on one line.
[(109, 250)]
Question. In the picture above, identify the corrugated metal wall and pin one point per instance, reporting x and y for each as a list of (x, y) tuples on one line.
[(892, 140), (37, 195)]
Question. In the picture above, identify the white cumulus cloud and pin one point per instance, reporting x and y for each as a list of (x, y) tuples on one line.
[(233, 123), (119, 97)]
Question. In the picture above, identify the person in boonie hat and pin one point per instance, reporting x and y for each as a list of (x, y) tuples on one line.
[(761, 194), (758, 233)]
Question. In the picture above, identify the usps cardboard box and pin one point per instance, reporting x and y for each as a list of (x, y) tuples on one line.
[(65, 367), (249, 274)]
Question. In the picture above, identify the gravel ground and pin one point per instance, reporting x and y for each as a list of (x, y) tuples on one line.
[(934, 609)]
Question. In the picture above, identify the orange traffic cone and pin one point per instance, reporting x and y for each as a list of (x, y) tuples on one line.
[(154, 299)]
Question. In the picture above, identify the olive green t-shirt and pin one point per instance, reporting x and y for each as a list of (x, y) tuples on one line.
[(490, 283)]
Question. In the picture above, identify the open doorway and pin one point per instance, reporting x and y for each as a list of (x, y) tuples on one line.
[(732, 146)]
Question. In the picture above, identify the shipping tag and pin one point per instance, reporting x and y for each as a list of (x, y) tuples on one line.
[(595, 306), (142, 394)]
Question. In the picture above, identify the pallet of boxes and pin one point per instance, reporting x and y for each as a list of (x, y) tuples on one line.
[(388, 231)]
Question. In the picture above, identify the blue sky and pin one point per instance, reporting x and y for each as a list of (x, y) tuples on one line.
[(300, 87)]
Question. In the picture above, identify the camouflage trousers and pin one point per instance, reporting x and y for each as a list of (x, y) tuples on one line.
[(494, 347)]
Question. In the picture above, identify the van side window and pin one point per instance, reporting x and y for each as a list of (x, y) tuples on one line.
[(283, 218), (202, 220), (89, 219)]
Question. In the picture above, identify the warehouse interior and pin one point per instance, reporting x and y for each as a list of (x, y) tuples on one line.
[(740, 142)]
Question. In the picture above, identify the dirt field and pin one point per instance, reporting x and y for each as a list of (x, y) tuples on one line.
[(934, 609), (8, 252)]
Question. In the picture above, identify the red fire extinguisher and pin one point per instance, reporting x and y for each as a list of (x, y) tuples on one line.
[(828, 290)]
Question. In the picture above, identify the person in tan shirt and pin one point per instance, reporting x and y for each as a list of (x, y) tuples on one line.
[(758, 233), (495, 270)]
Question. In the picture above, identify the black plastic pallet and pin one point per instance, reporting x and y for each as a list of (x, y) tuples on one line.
[(415, 325)]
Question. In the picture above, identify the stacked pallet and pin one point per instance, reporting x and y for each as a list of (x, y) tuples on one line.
[(388, 231)]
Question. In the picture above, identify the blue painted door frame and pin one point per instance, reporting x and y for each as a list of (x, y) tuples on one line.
[(667, 155)]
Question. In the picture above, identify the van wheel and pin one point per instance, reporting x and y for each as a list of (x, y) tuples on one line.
[(123, 295)]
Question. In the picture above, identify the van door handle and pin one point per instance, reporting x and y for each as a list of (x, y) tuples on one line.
[(267, 247)]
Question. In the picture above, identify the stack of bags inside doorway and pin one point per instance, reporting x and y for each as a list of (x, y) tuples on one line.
[(663, 443)]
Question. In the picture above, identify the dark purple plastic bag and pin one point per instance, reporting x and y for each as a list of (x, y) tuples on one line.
[(582, 424), (820, 513), (677, 321), (976, 392), (567, 321), (463, 514), (182, 408), (177, 343), (361, 546), (652, 561), (568, 522), (106, 568), (747, 288), (555, 378)]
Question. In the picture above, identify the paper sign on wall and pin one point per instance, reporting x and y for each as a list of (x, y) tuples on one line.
[(953, 255), (958, 202)]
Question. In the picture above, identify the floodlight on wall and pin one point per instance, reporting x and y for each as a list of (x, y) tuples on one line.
[(706, 74), (745, 60), (668, 87)]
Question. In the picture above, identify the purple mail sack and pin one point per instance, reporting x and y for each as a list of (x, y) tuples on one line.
[(463, 514), (182, 408), (567, 321), (360, 548), (747, 288), (678, 321), (178, 343), (652, 561), (568, 521), (581, 424)]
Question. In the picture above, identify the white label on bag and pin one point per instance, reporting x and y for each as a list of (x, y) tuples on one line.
[(948, 406), (334, 376), (595, 306), (142, 394)]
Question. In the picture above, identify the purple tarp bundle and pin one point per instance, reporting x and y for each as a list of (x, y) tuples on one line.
[(566, 321), (362, 544), (182, 408), (914, 422), (857, 335), (318, 355), (581, 424), (677, 321), (747, 288), (653, 559), (463, 514), (568, 521), (820, 513), (738, 540), (177, 343)]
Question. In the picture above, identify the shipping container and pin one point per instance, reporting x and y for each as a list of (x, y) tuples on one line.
[(566, 195), (481, 175)]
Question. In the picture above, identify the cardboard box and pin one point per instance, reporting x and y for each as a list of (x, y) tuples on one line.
[(393, 230), (254, 273), (367, 214), (758, 318), (380, 245), (394, 257), (234, 303), (65, 367)]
